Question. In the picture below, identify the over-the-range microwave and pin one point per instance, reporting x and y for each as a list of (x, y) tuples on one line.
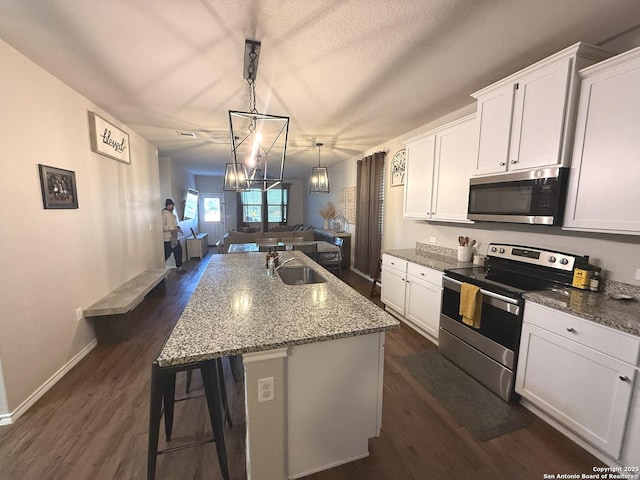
[(532, 196)]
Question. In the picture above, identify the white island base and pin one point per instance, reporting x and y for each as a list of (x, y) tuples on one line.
[(327, 404)]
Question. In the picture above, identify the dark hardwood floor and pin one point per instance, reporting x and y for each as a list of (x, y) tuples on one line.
[(93, 423)]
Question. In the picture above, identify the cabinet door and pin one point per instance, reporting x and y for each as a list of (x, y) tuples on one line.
[(454, 163), (603, 192), (419, 178), (423, 305), (538, 117), (494, 124), (584, 390), (393, 289)]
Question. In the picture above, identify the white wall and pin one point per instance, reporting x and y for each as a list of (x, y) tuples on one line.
[(55, 261)]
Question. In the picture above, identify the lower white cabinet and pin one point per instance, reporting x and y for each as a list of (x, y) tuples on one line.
[(579, 373), (413, 292)]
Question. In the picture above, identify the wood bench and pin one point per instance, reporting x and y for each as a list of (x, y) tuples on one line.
[(112, 313)]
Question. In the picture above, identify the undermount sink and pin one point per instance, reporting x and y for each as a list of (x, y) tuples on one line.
[(300, 276)]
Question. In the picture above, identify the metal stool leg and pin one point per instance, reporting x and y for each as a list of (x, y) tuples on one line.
[(223, 391), (155, 414), (169, 393), (210, 379), (188, 386)]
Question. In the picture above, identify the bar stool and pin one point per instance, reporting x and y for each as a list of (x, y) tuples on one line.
[(163, 385), (223, 388)]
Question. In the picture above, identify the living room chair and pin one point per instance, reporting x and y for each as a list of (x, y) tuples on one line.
[(332, 261), (309, 249)]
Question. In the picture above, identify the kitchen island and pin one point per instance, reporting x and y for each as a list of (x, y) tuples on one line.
[(316, 351)]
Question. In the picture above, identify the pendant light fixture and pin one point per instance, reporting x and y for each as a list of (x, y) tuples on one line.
[(319, 182), (258, 140)]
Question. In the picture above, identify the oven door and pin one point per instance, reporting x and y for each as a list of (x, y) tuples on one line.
[(500, 323)]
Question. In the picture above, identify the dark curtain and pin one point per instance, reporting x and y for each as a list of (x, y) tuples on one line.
[(370, 192)]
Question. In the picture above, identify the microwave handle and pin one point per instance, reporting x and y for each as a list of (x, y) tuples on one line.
[(497, 296)]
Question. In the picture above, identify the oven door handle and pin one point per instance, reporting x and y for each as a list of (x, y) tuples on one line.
[(513, 306)]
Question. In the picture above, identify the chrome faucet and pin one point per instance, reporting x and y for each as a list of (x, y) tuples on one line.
[(284, 263)]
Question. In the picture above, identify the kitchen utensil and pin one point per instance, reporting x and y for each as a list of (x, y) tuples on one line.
[(466, 241), (473, 243), (461, 241)]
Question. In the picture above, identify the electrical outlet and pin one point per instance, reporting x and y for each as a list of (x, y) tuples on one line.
[(433, 239), (637, 273), (79, 314), (265, 389)]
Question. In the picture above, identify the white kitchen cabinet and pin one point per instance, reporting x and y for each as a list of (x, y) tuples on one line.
[(525, 120), (394, 279), (419, 177), (439, 165), (413, 293), (423, 297), (603, 181), (579, 373)]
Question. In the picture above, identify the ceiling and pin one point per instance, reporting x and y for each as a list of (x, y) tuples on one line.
[(350, 74)]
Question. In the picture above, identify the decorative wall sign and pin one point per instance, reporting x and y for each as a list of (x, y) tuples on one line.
[(398, 164), (58, 187), (108, 140)]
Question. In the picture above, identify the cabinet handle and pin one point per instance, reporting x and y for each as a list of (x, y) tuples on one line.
[(513, 162), (502, 164), (624, 378), (571, 330), (422, 274)]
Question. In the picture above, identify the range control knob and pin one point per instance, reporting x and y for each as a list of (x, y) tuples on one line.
[(494, 249), (564, 261), (552, 259), (502, 250)]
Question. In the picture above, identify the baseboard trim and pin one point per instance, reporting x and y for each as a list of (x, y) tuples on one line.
[(10, 418), (331, 465)]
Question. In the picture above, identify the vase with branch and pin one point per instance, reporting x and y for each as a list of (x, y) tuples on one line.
[(327, 213)]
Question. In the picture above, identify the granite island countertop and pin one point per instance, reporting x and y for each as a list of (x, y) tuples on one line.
[(598, 307), (236, 308)]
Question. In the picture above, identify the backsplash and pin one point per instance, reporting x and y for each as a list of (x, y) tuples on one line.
[(436, 249)]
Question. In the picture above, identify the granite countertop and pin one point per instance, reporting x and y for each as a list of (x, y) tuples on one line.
[(438, 260), (599, 307), (236, 308)]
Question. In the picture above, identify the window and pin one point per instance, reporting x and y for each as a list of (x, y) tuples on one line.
[(212, 209), (274, 201)]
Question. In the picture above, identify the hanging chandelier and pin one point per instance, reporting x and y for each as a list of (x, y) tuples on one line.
[(258, 140), (319, 182)]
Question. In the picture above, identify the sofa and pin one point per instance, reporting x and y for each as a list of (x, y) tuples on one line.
[(305, 232)]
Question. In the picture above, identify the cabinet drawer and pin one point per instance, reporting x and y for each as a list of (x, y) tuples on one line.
[(394, 262), (425, 273), (603, 339)]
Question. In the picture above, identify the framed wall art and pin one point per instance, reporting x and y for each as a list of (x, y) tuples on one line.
[(108, 140), (58, 187), (398, 165)]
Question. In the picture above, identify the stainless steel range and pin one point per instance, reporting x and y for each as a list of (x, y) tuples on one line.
[(489, 353)]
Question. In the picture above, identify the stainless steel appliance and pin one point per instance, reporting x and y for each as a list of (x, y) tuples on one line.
[(489, 353), (532, 196)]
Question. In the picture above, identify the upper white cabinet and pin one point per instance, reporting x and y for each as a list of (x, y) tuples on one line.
[(439, 164), (525, 120), (603, 181)]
